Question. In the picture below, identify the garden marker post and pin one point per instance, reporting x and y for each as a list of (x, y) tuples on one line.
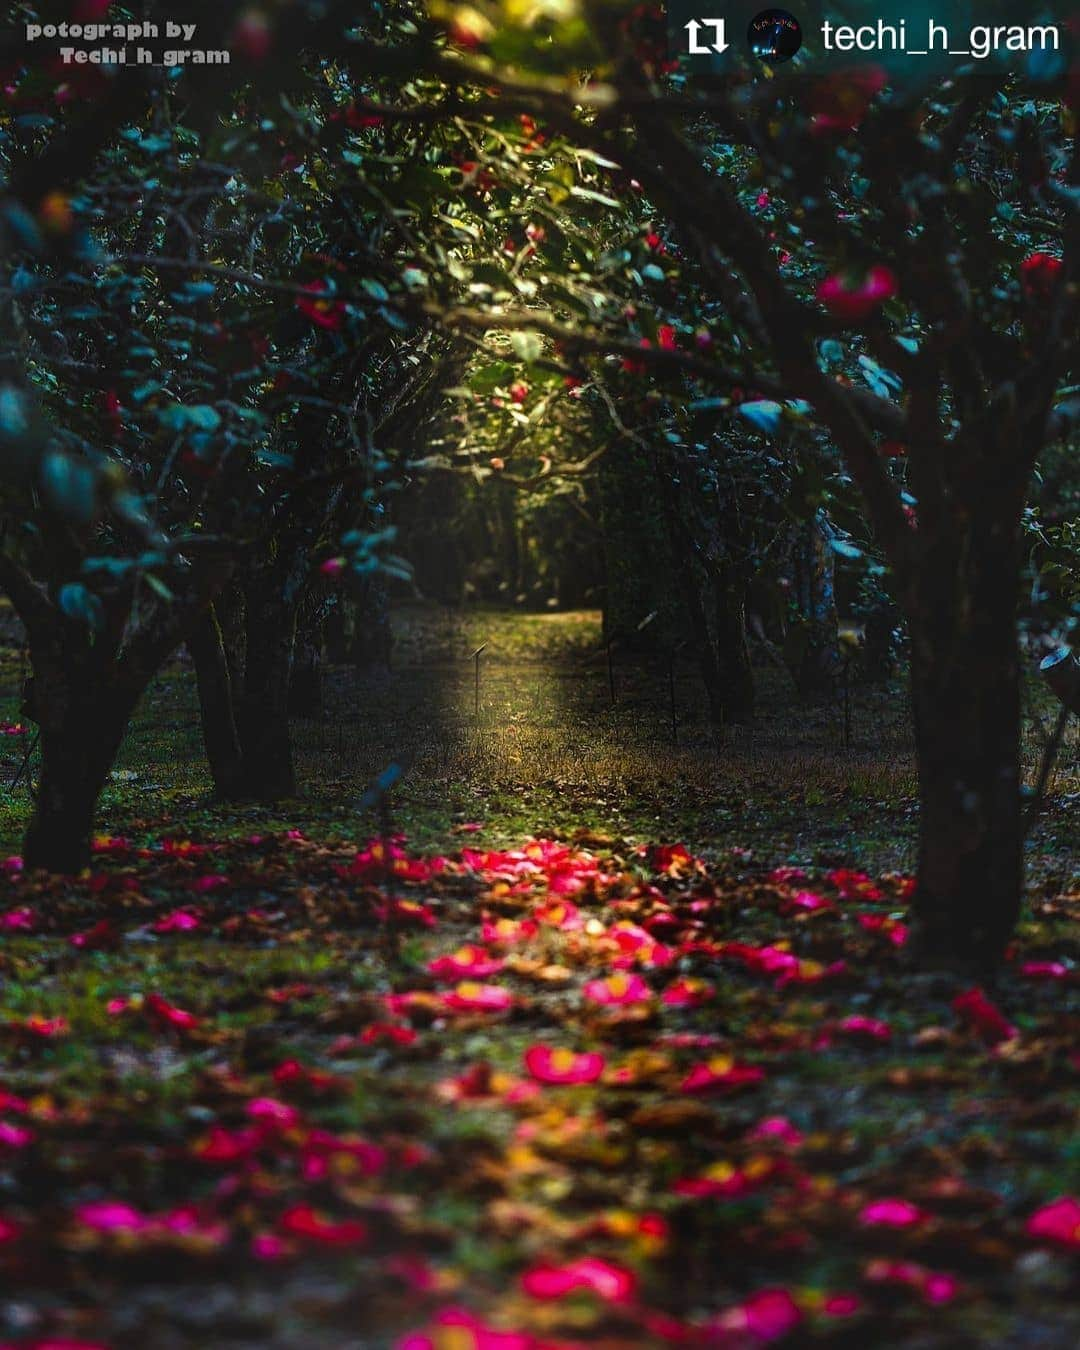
[(476, 687)]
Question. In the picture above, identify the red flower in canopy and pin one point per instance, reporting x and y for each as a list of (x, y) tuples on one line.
[(1057, 1222), (852, 295), (317, 304), (614, 1284), (1040, 274), (562, 1066), (839, 102), (983, 1017), (666, 338)]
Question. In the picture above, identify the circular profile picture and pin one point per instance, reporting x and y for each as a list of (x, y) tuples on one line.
[(774, 35)]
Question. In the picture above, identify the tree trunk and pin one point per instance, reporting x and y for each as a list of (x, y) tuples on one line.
[(305, 682), (216, 706), (263, 721), (82, 727), (966, 697), (813, 647), (733, 653)]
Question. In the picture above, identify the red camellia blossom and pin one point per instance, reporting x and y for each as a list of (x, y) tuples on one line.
[(562, 1066), (469, 996), (937, 1287), (892, 1213), (839, 102), (617, 990), (666, 338), (457, 1327), (467, 961), (853, 295), (763, 1317), (721, 1073), (159, 1010), (304, 1222), (1040, 274), (1057, 1222), (1045, 970), (687, 993), (983, 1017), (315, 303), (865, 1028), (111, 1216), (614, 1284), (252, 37)]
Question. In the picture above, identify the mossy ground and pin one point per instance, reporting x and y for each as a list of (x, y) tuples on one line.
[(292, 959)]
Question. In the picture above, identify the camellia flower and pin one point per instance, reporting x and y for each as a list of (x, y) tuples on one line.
[(178, 921), (617, 990), (317, 303), (111, 1216), (840, 101), (892, 1213), (270, 1112), (1040, 274), (763, 1317), (161, 1010), (1057, 1222), (304, 1222), (983, 1017), (18, 921), (1045, 970), (853, 295), (469, 996), (687, 993), (936, 1287), (507, 931), (863, 1028), (455, 1327), (721, 1073), (465, 962), (777, 1128), (562, 1066), (44, 1027), (614, 1284)]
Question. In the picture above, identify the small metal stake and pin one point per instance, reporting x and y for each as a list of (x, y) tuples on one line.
[(671, 695), (847, 704), (476, 691)]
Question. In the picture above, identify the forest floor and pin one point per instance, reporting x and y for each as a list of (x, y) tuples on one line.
[(616, 1047)]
